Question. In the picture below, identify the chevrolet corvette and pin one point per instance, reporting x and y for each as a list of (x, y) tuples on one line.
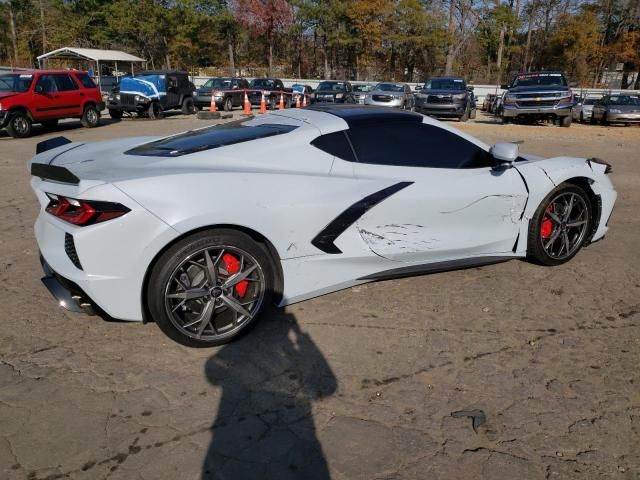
[(200, 232)]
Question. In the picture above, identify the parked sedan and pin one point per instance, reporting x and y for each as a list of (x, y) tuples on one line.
[(397, 95), (617, 108), (583, 109), (200, 232)]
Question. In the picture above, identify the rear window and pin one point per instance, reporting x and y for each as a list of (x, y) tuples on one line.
[(212, 137)]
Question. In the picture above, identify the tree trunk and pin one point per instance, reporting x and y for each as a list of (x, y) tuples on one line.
[(527, 46), (270, 55), (499, 59), (232, 63), (14, 37), (327, 70), (451, 32), (42, 27)]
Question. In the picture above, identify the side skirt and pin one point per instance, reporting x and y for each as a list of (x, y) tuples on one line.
[(436, 267)]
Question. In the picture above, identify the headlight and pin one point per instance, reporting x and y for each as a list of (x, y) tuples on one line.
[(339, 95), (218, 93), (615, 110), (117, 96), (509, 100), (460, 96), (397, 97), (137, 98), (194, 93)]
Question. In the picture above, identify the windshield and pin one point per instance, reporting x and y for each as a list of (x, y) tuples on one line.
[(445, 84), (15, 82), (625, 100), (389, 87), (218, 83), (361, 88), (539, 80), (298, 88), (263, 83), (333, 86)]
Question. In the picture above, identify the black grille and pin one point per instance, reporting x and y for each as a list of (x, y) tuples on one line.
[(70, 249), (128, 99), (382, 98), (537, 103), (439, 99)]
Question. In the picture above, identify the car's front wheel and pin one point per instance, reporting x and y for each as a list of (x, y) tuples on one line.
[(154, 111), (90, 117), (560, 225), (188, 107), (210, 287), (19, 125)]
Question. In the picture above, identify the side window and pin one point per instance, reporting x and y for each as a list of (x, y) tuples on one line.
[(279, 84), (414, 144), (47, 83), (86, 80), (65, 83), (335, 144)]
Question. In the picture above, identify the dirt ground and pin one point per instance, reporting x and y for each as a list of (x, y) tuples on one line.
[(359, 384)]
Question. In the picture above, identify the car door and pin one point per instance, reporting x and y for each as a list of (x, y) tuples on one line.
[(455, 205), (69, 95), (171, 99), (46, 103), (599, 108)]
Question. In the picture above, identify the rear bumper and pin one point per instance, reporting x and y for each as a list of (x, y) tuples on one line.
[(68, 295), (624, 117)]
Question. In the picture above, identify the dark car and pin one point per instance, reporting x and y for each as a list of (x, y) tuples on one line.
[(543, 95), (617, 108), (446, 97), (273, 89), (300, 90), (228, 92), (334, 92), (46, 96), (151, 93)]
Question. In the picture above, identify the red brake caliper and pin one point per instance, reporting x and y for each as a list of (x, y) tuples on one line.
[(547, 225), (232, 265)]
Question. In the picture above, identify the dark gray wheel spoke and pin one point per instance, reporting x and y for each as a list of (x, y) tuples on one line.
[(205, 318), (235, 305), (238, 277), (190, 294), (554, 217), (569, 213)]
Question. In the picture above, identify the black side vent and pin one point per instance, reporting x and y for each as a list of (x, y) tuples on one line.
[(70, 248)]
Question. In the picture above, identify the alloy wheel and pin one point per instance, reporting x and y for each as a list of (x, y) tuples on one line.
[(564, 225)]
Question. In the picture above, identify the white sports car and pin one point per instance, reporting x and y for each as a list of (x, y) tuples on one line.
[(200, 231)]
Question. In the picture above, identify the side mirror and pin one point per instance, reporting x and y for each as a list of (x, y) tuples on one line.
[(504, 153), (504, 86), (39, 90)]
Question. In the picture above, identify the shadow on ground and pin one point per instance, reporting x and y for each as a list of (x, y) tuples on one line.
[(264, 426)]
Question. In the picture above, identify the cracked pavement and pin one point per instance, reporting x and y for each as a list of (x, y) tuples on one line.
[(359, 384)]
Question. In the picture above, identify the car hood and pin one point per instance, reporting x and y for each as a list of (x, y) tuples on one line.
[(4, 95), (327, 92), (433, 91), (542, 89), (382, 92), (625, 108)]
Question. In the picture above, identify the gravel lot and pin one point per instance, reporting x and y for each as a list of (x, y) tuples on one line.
[(359, 384)]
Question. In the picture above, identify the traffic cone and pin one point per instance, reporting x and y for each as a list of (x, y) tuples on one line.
[(212, 108), (297, 101), (247, 105), (304, 100), (281, 107), (263, 104)]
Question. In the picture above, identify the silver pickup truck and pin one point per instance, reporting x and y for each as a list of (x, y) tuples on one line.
[(538, 96)]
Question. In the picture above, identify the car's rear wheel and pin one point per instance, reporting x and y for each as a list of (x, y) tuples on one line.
[(90, 117), (188, 107), (50, 124), (115, 114), (560, 225), (19, 125), (565, 121), (210, 287), (604, 120)]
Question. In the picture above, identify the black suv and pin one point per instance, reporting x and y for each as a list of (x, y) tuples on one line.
[(331, 91), (228, 92), (446, 97), (152, 92)]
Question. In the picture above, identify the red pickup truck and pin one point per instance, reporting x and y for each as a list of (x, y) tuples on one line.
[(46, 96)]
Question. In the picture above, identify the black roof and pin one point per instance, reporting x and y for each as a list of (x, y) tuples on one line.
[(358, 113), (447, 77), (162, 72)]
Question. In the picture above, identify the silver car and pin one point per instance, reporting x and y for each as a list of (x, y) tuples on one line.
[(617, 108), (360, 92), (583, 109), (397, 95)]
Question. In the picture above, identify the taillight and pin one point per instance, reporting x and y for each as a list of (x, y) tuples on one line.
[(83, 212)]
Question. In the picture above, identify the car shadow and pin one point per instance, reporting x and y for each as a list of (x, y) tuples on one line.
[(63, 126), (264, 425)]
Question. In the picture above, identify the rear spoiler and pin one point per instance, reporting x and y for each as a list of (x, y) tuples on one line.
[(54, 173)]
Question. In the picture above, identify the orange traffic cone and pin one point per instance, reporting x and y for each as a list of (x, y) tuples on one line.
[(304, 100), (263, 104), (281, 107), (247, 105), (212, 108), (297, 101)]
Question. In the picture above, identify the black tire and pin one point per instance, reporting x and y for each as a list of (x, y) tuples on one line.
[(272, 103), (50, 124), (19, 125), (188, 107), (535, 242), (581, 117), (154, 111), (473, 114), (506, 120), (592, 120), (164, 269), (90, 117), (115, 114), (604, 120), (228, 104), (565, 121), (465, 116)]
